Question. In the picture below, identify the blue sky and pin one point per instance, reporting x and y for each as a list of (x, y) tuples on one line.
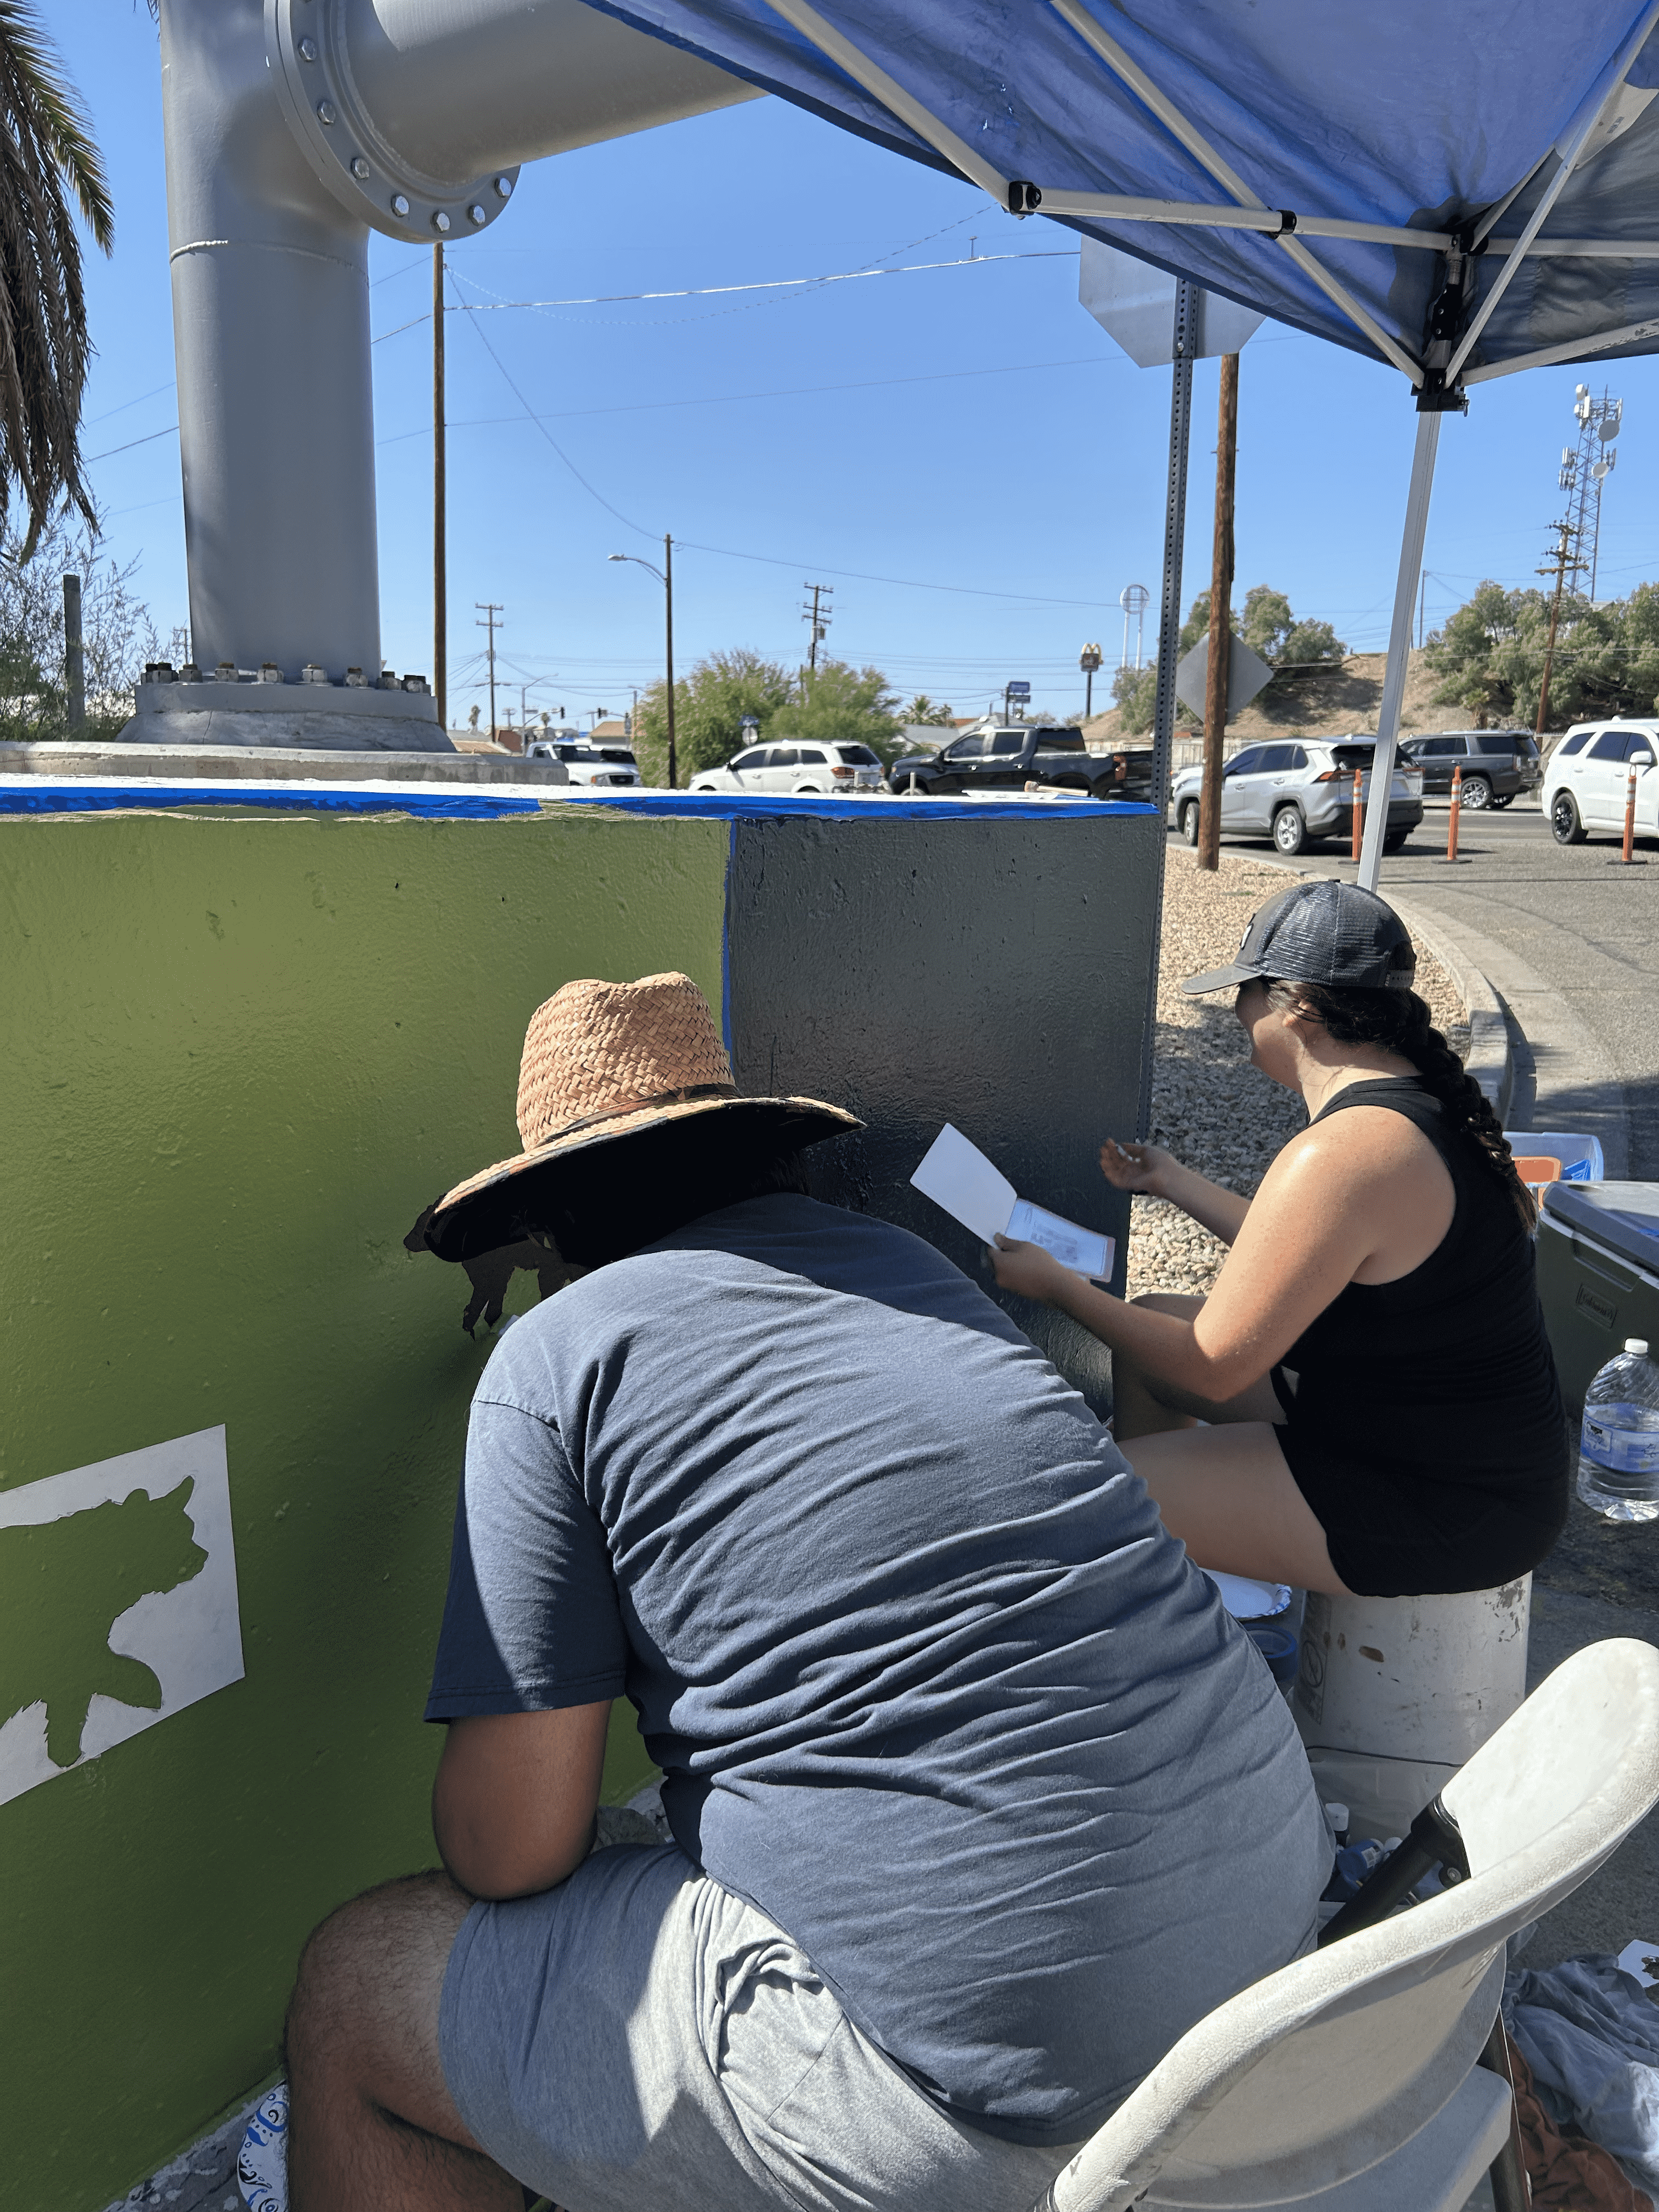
[(963, 454)]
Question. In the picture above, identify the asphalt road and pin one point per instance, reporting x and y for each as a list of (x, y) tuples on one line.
[(1549, 921)]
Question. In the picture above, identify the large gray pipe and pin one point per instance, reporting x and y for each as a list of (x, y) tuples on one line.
[(292, 127)]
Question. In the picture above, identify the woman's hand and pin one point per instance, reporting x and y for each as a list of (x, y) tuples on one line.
[(1029, 1270), (1136, 1167)]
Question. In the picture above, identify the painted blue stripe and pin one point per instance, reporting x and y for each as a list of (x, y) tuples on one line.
[(100, 798), (34, 797)]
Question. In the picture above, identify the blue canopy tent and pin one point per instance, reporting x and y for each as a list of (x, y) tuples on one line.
[(1460, 193)]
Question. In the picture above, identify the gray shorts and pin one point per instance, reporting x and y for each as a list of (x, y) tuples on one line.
[(638, 2037)]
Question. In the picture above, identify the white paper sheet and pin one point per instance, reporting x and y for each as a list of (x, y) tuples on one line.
[(957, 1175)]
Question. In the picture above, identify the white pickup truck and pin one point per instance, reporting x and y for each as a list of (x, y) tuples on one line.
[(584, 761)]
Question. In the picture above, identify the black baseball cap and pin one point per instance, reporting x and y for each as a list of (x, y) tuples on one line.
[(1320, 933)]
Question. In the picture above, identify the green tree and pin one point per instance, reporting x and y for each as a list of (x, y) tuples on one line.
[(841, 705), (709, 708), (117, 635), (921, 710), (1490, 655), (47, 159)]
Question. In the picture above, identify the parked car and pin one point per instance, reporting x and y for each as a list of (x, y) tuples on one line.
[(1010, 757), (1498, 765), (1297, 793), (1587, 778), (585, 761), (802, 769)]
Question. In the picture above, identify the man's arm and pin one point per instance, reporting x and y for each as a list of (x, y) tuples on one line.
[(515, 1797)]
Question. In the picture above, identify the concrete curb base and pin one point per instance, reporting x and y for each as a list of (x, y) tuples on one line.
[(1491, 1060)]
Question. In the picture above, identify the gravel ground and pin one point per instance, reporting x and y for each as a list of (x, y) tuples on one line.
[(1210, 1107)]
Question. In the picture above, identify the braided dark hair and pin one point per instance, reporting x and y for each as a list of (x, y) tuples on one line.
[(1398, 1021)]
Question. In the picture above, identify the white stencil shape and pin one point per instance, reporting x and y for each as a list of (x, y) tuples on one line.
[(189, 1636)]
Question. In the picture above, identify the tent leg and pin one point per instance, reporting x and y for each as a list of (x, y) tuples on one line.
[(1400, 638), (1187, 300)]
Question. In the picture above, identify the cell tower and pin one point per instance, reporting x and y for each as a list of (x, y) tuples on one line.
[(1585, 469), (1134, 600)]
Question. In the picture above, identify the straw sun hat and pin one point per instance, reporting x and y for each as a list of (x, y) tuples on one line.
[(609, 1064)]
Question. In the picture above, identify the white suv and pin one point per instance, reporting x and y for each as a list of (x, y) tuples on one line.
[(1300, 791), (586, 762), (1587, 778), (801, 769)]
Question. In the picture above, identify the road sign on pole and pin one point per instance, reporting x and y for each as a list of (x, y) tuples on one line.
[(1246, 674)]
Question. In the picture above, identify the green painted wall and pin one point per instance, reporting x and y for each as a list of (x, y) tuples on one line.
[(240, 1056)]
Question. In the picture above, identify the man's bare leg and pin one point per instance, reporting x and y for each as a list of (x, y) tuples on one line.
[(371, 2125)]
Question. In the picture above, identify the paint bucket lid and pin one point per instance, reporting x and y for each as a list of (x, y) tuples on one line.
[(1247, 1599)]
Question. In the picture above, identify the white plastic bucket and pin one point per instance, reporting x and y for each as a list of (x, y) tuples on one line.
[(1394, 1694)]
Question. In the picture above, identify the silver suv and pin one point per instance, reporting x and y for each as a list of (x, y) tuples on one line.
[(1297, 791)]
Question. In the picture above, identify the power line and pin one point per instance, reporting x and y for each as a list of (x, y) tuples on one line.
[(721, 291)]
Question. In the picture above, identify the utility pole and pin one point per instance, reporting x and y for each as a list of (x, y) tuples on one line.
[(819, 617), (490, 609), (75, 665), (1422, 602), (1564, 560), (1220, 668), (440, 530), (668, 606)]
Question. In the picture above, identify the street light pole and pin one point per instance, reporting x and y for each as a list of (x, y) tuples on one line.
[(664, 576)]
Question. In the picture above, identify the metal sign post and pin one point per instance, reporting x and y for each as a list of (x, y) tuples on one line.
[(1174, 532)]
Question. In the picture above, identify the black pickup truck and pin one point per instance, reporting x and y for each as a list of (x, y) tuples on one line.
[(1009, 758)]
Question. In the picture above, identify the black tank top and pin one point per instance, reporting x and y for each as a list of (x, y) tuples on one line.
[(1444, 1376)]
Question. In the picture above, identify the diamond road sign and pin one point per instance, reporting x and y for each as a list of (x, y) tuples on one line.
[(1246, 674)]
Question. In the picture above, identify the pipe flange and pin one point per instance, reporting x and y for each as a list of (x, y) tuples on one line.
[(305, 42)]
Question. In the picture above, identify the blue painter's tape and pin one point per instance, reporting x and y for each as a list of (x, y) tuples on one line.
[(33, 796)]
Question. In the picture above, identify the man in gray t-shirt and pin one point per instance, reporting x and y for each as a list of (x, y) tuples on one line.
[(978, 1799)]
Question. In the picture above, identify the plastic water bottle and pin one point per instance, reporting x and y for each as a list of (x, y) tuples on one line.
[(1619, 1444)]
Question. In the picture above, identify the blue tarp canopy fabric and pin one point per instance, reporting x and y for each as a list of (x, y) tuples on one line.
[(1409, 117)]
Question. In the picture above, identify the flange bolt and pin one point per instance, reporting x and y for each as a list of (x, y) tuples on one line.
[(360, 168), (476, 214), (308, 50), (503, 188), (440, 221), (399, 204), (326, 111)]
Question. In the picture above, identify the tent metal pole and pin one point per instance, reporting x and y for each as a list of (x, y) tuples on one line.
[(1574, 140), (1400, 638), (1186, 299), (892, 95), (1575, 349), (1121, 65)]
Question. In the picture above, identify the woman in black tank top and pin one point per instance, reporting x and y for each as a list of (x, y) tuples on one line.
[(1367, 1401)]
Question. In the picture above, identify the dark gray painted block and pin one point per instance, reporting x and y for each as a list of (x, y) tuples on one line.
[(989, 970)]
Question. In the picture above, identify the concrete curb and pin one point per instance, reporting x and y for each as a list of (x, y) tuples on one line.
[(1490, 1059), (1491, 1062)]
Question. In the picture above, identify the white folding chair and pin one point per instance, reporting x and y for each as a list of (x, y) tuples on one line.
[(1348, 2081)]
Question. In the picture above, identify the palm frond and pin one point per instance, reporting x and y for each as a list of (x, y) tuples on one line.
[(46, 154)]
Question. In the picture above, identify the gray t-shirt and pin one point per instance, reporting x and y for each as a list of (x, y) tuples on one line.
[(927, 1681)]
